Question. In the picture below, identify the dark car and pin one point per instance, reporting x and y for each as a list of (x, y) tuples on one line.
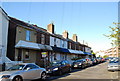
[(89, 61), (94, 61), (103, 60), (107, 58), (59, 67), (82, 63), (99, 60)]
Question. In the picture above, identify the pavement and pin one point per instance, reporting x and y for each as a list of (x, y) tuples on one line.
[(97, 72)]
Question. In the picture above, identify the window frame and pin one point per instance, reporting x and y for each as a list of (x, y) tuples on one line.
[(42, 38), (28, 35)]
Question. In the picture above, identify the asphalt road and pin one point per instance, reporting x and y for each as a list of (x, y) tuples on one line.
[(96, 72)]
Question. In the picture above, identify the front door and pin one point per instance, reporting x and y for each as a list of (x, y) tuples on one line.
[(19, 54)]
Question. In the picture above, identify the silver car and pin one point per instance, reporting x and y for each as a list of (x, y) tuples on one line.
[(114, 65), (23, 71)]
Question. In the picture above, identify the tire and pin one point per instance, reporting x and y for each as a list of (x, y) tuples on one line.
[(70, 69), (43, 76), (17, 78), (82, 66)]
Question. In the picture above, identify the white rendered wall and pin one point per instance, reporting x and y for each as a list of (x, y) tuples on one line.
[(3, 34), (87, 50)]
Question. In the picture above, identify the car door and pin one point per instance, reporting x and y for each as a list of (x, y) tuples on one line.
[(67, 65), (29, 72), (85, 62), (64, 67), (38, 71)]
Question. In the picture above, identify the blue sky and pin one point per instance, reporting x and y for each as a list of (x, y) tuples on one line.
[(89, 20)]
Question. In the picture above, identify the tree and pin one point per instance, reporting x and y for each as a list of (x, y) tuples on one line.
[(105, 56), (114, 33)]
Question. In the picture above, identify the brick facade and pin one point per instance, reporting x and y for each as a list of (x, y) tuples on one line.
[(38, 35)]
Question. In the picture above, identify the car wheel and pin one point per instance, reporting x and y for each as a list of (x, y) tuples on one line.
[(82, 66), (70, 69), (43, 76), (17, 78)]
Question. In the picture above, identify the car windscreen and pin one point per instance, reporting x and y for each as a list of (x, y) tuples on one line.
[(55, 63), (16, 67), (79, 61)]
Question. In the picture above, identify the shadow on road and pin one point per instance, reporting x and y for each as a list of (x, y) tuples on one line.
[(51, 77), (56, 78)]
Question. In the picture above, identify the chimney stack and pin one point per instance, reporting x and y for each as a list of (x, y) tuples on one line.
[(50, 28), (75, 37), (65, 34)]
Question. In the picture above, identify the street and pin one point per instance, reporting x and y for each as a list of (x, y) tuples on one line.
[(95, 72), (76, 39)]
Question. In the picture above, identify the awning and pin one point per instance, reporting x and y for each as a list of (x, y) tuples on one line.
[(56, 49), (30, 45), (25, 44), (41, 46), (63, 50), (81, 52), (47, 47), (87, 53), (75, 51)]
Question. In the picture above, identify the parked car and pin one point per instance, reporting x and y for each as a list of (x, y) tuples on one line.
[(94, 61), (99, 59), (82, 63), (107, 59), (59, 67), (89, 61), (113, 58), (114, 65), (102, 60), (23, 71)]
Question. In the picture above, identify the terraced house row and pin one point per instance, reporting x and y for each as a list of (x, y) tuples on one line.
[(30, 43)]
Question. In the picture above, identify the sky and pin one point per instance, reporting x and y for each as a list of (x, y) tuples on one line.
[(89, 20)]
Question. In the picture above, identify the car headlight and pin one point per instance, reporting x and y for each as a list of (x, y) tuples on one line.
[(5, 76), (80, 64), (55, 69), (49, 70)]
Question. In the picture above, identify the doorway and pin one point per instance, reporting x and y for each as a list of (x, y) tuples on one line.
[(19, 54)]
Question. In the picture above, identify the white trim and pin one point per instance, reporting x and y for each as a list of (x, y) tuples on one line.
[(4, 13)]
